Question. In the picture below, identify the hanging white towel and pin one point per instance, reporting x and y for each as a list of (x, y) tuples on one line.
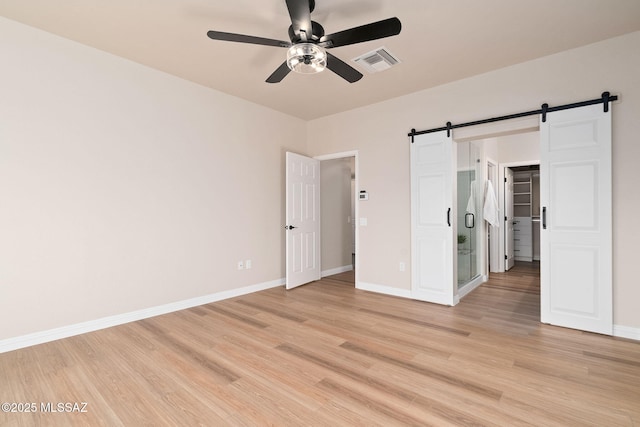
[(471, 204), (491, 211)]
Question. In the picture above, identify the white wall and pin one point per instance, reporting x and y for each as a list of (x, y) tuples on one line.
[(379, 132), (123, 188), (522, 147)]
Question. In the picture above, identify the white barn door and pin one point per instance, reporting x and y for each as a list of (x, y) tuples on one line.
[(576, 234), (303, 220), (432, 218)]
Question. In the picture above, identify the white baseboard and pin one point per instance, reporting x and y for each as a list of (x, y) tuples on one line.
[(336, 270), (382, 289), (626, 332), (106, 322), (119, 319)]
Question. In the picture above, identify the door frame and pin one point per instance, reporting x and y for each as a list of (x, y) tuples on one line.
[(344, 155)]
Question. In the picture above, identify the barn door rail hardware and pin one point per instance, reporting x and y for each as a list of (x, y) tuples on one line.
[(604, 99)]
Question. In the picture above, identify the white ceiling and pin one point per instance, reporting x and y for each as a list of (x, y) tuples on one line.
[(441, 40)]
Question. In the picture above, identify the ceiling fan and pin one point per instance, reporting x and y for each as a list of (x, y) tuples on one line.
[(306, 51)]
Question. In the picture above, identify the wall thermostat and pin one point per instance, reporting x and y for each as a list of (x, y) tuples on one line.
[(363, 195)]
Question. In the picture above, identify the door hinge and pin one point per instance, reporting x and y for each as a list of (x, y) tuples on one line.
[(506, 257), (505, 180)]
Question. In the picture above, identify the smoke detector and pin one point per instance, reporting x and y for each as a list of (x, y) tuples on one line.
[(377, 60)]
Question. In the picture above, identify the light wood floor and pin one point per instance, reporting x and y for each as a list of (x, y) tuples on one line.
[(328, 354)]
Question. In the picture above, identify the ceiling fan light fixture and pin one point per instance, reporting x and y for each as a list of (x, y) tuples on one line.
[(306, 58)]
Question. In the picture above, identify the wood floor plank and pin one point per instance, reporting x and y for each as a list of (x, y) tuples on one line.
[(446, 400), (328, 354), (424, 370), (379, 409)]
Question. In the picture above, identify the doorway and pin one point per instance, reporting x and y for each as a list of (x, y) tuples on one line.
[(523, 187), (338, 213), (575, 198), (485, 156), (518, 157)]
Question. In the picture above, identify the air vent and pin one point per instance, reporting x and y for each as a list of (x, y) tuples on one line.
[(377, 60)]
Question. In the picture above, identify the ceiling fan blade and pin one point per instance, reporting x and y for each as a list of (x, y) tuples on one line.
[(342, 69), (300, 13), (241, 38), (279, 74), (373, 31)]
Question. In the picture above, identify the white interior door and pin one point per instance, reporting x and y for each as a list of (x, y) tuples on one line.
[(576, 235), (508, 222), (303, 220), (432, 217)]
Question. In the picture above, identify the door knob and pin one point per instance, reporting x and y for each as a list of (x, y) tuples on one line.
[(289, 227)]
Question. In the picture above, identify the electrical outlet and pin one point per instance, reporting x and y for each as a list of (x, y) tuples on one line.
[(247, 264), (240, 265), (402, 266)]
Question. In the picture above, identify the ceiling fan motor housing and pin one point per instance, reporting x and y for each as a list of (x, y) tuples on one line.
[(317, 31)]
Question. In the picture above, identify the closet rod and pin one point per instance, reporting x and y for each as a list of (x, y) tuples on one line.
[(604, 99)]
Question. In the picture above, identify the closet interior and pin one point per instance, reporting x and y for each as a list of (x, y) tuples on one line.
[(526, 213)]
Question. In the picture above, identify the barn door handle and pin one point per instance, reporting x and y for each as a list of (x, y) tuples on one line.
[(449, 217), (544, 217)]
